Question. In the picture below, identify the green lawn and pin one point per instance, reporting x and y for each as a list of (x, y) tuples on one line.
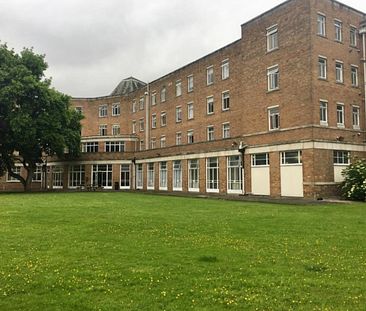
[(116, 251)]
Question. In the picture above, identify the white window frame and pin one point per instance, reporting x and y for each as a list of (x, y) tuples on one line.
[(338, 30), (153, 143), (177, 175), (273, 78), (322, 67), (210, 184), (162, 141), (57, 177), (339, 68), (139, 176), (341, 157), (134, 127), (163, 176), (286, 155), (103, 111), (142, 103), (226, 130), (190, 137), (210, 133), (190, 111), (116, 109), (150, 176), (354, 75), (225, 100), (272, 38), (356, 117), (190, 83), (103, 130), (163, 94), (225, 69), (210, 105), (10, 179), (153, 98), (114, 146), (340, 115), (210, 75), (141, 125), (274, 113), (124, 171), (116, 129), (178, 88), (321, 24), (178, 138), (256, 159), (96, 168), (178, 114), (77, 171), (134, 106), (142, 145), (239, 172), (194, 171), (153, 121), (353, 33), (323, 106), (163, 119)]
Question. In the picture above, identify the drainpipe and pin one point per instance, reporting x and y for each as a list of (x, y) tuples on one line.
[(147, 118), (362, 32)]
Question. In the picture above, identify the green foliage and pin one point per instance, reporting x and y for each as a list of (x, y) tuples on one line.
[(354, 185), (126, 251), (35, 119)]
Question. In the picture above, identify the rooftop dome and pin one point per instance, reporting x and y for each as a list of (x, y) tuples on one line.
[(127, 86)]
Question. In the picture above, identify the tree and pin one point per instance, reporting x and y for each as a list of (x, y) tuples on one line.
[(354, 185), (35, 119)]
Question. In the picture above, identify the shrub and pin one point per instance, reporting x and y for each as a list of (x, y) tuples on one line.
[(354, 185)]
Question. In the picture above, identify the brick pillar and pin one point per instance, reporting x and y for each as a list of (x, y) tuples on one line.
[(275, 174)]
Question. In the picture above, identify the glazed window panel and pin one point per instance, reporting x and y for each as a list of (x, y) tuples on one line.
[(177, 175), (125, 176), (150, 176), (234, 173), (272, 38), (212, 174), (193, 175), (341, 157), (273, 77), (225, 70), (291, 157), (321, 22)]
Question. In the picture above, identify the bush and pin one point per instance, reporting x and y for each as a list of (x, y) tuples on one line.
[(354, 185)]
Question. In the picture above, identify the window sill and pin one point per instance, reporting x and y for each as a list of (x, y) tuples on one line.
[(273, 50), (340, 126), (224, 110), (322, 36), (272, 91), (323, 79), (340, 82), (323, 123), (356, 127), (338, 41)]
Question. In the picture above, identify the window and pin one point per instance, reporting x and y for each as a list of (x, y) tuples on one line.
[(190, 83), (339, 72), (150, 176), (323, 112), (141, 124), (153, 121), (226, 130), (338, 30), (103, 130), (178, 88), (212, 175), (103, 111), (193, 175), (178, 114), (153, 99), (190, 137), (133, 127), (57, 177), (163, 184), (291, 157), (89, 147), (162, 142), (273, 78), (163, 94), (142, 145), (210, 133), (341, 157), (177, 175), (190, 111), (272, 38), (76, 176), (139, 176), (210, 75), (260, 159), (353, 36), (79, 110), (116, 129), (354, 75), (125, 176), (322, 68), (274, 118), (153, 143), (178, 138), (234, 174), (225, 70), (163, 119), (356, 117), (116, 109), (134, 108), (114, 146), (16, 170), (321, 25), (142, 103), (102, 175), (210, 105), (225, 100), (340, 115)]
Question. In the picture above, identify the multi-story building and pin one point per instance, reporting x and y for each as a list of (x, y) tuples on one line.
[(279, 112)]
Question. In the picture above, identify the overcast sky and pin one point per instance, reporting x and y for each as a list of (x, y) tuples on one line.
[(91, 45)]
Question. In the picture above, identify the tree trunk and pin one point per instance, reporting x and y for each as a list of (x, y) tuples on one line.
[(27, 185)]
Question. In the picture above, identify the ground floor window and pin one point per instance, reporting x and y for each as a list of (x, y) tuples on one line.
[(37, 175), (150, 176), (163, 176), (125, 176), (193, 175), (16, 170), (177, 175), (212, 175), (260, 159), (57, 177), (341, 157), (291, 157), (102, 175), (234, 174), (76, 176), (139, 176)]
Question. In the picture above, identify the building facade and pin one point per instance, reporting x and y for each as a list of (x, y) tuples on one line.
[(279, 112)]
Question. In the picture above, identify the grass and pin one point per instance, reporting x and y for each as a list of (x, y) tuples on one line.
[(118, 251)]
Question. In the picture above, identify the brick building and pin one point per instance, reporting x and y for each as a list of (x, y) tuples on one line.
[(279, 112)]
